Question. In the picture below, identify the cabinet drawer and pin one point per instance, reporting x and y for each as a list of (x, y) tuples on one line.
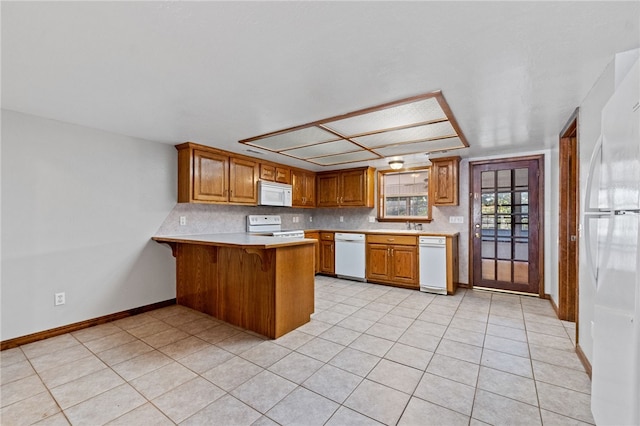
[(405, 240), (327, 236)]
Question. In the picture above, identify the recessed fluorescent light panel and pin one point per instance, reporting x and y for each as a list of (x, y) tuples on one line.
[(420, 124)]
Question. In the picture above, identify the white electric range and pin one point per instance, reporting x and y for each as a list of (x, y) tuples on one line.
[(270, 225)]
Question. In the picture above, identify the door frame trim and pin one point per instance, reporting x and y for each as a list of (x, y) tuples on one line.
[(540, 158), (568, 292)]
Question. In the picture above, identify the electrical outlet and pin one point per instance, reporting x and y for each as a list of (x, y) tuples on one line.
[(341, 218), (372, 219), (456, 219), (183, 220), (59, 299), (296, 219), (310, 218)]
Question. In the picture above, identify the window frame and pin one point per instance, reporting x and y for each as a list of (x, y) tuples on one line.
[(381, 197)]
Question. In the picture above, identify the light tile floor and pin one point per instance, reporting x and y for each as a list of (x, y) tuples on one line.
[(370, 355)]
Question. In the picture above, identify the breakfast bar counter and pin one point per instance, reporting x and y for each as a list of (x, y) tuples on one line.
[(261, 283)]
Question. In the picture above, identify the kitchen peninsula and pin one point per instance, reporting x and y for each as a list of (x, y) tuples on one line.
[(260, 283)]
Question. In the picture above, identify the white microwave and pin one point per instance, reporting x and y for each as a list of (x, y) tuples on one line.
[(274, 194)]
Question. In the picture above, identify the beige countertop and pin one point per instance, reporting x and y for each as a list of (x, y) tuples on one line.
[(239, 239)]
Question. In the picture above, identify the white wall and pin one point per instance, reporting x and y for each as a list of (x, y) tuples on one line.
[(78, 209)]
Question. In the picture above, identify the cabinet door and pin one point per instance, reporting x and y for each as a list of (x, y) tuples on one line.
[(243, 175), (378, 265), (327, 257), (267, 172), (444, 178), (404, 265), (310, 190), (328, 189), (353, 188), (283, 175), (315, 236), (210, 173), (300, 189)]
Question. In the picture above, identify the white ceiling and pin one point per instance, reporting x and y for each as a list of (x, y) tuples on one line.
[(218, 72)]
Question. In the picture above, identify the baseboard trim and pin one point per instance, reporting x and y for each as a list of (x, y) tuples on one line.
[(553, 304), (41, 335), (583, 359)]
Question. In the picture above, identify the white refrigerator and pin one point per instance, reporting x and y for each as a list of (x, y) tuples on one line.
[(612, 225)]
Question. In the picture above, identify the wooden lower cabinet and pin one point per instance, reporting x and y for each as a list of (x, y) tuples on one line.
[(327, 253), (315, 236), (392, 260), (268, 291)]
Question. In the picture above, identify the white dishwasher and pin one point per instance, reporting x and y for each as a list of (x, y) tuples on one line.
[(350, 256), (433, 264)]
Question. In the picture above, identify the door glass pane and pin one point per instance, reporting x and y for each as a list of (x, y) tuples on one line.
[(504, 179), (488, 270), (504, 270), (488, 179), (521, 250), (504, 249), (488, 248), (521, 177), (521, 272)]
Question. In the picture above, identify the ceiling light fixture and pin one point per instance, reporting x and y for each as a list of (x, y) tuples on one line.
[(396, 164)]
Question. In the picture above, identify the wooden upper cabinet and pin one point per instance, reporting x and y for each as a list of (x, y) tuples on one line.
[(328, 184), (444, 181), (243, 175), (208, 175), (283, 175), (275, 173), (346, 188), (267, 172), (303, 188)]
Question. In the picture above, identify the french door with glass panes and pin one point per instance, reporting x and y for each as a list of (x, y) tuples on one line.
[(506, 229)]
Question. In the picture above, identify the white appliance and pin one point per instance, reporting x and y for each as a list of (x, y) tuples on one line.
[(350, 256), (612, 210), (270, 225), (274, 194), (432, 253)]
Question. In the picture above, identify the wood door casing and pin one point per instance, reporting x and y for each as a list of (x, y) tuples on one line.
[(507, 224), (568, 256)]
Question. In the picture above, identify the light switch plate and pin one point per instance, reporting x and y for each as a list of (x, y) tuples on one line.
[(372, 219), (456, 219)]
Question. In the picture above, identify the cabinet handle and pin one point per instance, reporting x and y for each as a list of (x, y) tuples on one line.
[(391, 252), (391, 239), (337, 200)]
